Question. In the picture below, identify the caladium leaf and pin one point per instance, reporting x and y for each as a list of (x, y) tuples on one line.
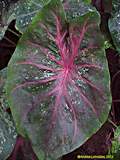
[(21, 10), (7, 127), (58, 81), (7, 134), (114, 24), (25, 10)]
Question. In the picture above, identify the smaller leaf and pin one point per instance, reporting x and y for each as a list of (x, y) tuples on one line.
[(21, 10), (7, 127), (114, 24)]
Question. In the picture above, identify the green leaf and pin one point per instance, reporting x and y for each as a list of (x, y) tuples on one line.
[(58, 81), (115, 151), (7, 127), (23, 11), (87, 1), (114, 24)]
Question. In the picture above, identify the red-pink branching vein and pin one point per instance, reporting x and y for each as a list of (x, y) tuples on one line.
[(39, 66)]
